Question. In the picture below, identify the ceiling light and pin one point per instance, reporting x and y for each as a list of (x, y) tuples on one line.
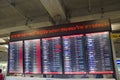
[(2, 40), (6, 46)]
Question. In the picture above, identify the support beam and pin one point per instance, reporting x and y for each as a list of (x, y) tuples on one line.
[(55, 10), (16, 10), (113, 15), (6, 31)]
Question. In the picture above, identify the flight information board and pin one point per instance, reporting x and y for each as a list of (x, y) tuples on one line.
[(16, 57), (74, 56), (32, 56), (99, 53), (52, 62)]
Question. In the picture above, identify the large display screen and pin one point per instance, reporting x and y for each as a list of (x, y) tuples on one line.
[(99, 53), (52, 62), (16, 57), (74, 56), (32, 56)]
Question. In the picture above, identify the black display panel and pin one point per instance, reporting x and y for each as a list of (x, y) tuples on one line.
[(74, 56), (99, 53), (52, 61), (63, 29), (32, 56), (16, 57)]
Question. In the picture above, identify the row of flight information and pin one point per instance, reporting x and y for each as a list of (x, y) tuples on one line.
[(71, 54)]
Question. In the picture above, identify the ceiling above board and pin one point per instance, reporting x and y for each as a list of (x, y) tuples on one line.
[(18, 15)]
